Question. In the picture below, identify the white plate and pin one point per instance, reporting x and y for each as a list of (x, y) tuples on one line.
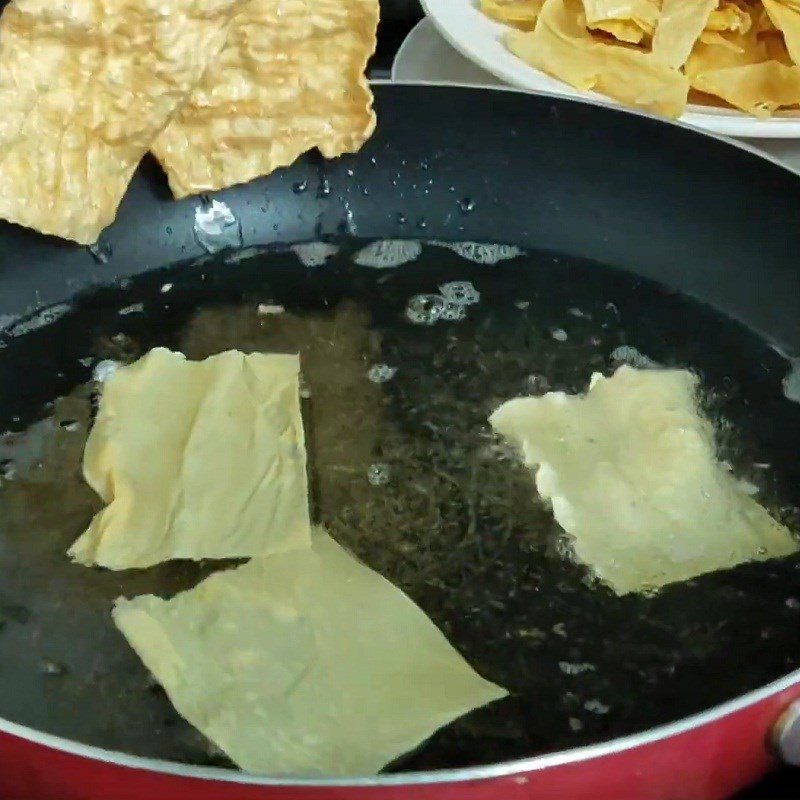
[(480, 39), (425, 56)]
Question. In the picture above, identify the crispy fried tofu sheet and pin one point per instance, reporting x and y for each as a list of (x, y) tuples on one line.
[(562, 46), (751, 71), (648, 53), (304, 663), (520, 14), (731, 17), (626, 20), (679, 27), (290, 78), (724, 51), (786, 18), (85, 88), (631, 473), (759, 89), (197, 459)]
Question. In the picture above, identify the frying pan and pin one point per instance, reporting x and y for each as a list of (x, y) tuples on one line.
[(618, 231)]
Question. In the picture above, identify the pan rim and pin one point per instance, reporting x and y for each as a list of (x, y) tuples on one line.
[(731, 141), (501, 769)]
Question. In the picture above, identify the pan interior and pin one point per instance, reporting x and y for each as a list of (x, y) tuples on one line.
[(405, 472)]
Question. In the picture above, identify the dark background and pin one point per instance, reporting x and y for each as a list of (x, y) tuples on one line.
[(398, 17)]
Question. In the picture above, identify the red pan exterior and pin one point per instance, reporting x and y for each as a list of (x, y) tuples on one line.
[(710, 760)]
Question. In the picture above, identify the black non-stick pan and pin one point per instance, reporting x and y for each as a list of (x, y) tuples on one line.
[(618, 231)]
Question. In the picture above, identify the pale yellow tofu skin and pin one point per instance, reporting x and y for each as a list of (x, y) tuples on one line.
[(290, 78), (306, 663), (631, 472), (85, 88), (197, 459)]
